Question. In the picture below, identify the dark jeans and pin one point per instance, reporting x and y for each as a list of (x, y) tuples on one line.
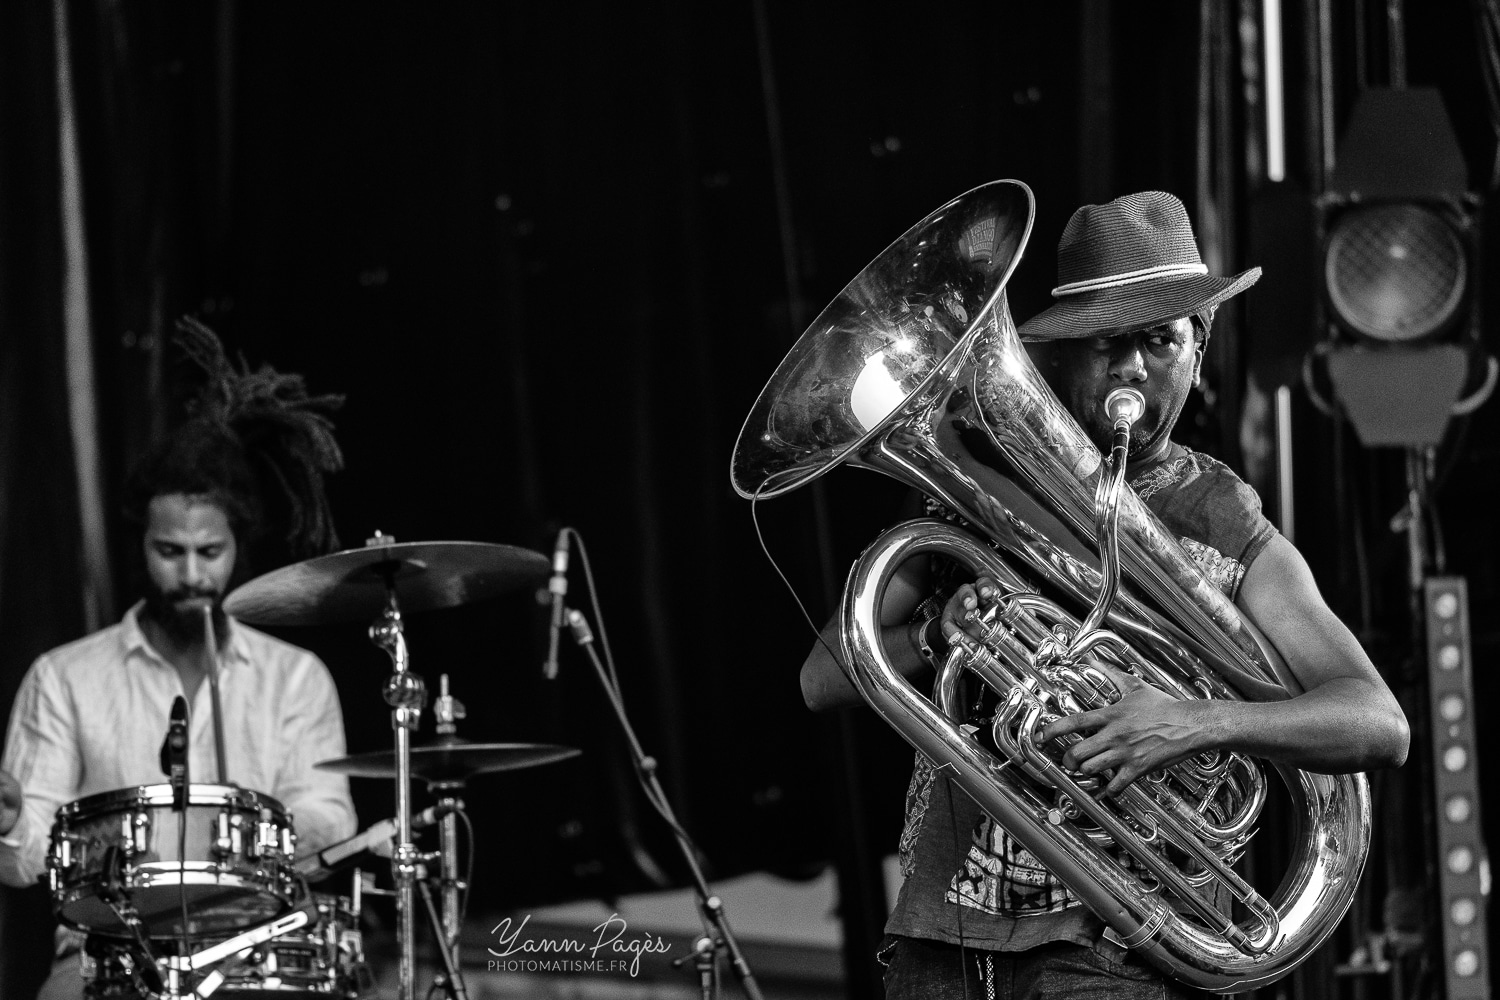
[(930, 970)]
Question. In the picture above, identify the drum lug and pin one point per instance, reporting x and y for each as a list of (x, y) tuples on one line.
[(230, 839), (61, 858), (221, 837), (138, 834), (268, 841)]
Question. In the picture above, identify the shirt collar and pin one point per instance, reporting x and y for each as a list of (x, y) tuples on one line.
[(134, 639)]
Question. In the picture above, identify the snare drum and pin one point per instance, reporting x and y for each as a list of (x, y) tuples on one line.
[(234, 869), (324, 960)]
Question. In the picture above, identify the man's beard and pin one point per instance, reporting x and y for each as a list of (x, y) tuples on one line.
[(1147, 431), (184, 625)]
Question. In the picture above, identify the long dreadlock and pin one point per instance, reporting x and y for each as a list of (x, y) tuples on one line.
[(246, 431)]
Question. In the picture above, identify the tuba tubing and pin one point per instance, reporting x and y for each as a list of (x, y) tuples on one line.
[(1332, 811)]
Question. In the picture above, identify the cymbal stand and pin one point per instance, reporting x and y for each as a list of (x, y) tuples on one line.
[(447, 710), (451, 978), (405, 693), (717, 934)]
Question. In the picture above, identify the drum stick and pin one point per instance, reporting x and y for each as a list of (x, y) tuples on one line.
[(211, 643)]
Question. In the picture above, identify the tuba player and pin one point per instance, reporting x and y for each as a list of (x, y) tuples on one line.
[(978, 915)]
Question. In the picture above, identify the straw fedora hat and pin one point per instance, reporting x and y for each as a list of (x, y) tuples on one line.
[(1128, 265)]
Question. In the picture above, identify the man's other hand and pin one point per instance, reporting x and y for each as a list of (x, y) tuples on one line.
[(964, 603)]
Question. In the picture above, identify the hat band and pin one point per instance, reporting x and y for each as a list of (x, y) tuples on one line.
[(1128, 278)]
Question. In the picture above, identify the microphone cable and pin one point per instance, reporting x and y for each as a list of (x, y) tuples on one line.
[(761, 538)]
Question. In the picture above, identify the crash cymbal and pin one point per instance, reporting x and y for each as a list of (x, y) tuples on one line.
[(451, 760), (351, 585)]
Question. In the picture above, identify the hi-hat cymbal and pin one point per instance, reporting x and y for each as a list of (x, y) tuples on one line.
[(451, 761), (351, 585)]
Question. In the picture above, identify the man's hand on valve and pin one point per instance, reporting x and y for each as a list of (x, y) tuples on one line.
[(1144, 731)]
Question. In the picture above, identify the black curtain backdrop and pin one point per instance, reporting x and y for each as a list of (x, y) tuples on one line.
[(41, 601), (537, 247), (540, 255)]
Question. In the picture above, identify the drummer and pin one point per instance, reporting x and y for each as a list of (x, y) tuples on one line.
[(91, 716)]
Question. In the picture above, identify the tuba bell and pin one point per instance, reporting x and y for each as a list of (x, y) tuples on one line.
[(916, 371)]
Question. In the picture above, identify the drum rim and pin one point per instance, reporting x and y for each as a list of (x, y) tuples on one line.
[(161, 794), (119, 930)]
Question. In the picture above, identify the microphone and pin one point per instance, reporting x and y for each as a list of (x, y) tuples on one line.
[(174, 753), (321, 864), (558, 589)]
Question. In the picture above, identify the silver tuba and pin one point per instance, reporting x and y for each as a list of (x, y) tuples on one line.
[(916, 371)]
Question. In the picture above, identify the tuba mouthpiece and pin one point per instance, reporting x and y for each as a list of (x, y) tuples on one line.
[(1124, 406)]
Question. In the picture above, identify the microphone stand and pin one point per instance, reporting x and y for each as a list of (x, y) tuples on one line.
[(716, 930)]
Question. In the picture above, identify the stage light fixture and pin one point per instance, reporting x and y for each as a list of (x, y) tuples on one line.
[(1399, 238), (1395, 273)]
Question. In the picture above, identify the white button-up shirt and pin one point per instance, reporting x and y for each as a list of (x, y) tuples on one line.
[(91, 716)]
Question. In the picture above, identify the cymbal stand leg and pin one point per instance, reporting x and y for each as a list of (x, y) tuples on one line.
[(452, 980), (405, 693)]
